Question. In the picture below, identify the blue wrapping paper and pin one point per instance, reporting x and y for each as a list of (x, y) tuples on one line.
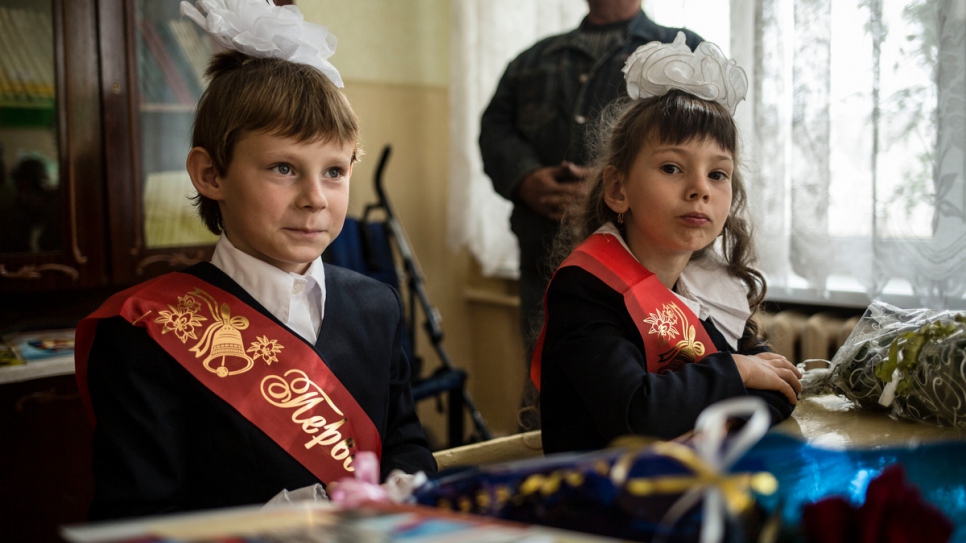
[(807, 474), (804, 473), (576, 492)]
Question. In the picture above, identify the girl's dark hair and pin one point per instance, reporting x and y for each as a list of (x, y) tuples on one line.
[(265, 94), (673, 118)]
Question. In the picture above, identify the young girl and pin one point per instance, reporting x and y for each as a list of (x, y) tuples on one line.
[(646, 325), (265, 369)]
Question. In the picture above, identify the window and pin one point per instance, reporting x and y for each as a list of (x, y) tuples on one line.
[(853, 134), (855, 144)]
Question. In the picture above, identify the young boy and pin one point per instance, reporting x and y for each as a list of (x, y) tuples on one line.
[(265, 369)]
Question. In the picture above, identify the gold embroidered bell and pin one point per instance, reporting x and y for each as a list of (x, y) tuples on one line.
[(227, 343)]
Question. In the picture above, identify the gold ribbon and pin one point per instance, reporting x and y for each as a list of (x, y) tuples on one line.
[(707, 460), (734, 487)]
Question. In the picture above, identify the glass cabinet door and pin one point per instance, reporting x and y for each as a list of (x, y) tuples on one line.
[(172, 56), (51, 160), (151, 90), (31, 202)]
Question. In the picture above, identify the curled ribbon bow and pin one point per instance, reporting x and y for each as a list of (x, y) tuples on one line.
[(354, 491), (710, 459)]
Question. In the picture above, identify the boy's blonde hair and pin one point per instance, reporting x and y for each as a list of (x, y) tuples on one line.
[(265, 95)]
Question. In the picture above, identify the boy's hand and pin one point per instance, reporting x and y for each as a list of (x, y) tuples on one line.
[(770, 371)]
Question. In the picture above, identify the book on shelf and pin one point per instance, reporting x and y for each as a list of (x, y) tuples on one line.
[(8, 357), (27, 62), (161, 52), (180, 58), (196, 47), (151, 83), (35, 345)]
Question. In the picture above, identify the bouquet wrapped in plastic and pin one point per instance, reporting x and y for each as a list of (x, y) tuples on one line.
[(911, 362), (652, 491)]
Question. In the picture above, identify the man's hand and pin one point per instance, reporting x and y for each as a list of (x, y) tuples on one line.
[(770, 371), (551, 189)]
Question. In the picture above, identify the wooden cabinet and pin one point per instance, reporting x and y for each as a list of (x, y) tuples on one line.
[(72, 139), (45, 475), (126, 78), (84, 99)]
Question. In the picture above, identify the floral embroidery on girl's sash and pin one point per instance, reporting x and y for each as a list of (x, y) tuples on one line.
[(669, 323)]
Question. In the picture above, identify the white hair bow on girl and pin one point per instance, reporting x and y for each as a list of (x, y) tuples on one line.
[(656, 68), (260, 29)]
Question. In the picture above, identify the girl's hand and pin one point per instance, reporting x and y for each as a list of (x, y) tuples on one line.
[(770, 371)]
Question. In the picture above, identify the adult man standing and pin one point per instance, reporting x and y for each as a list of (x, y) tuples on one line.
[(535, 135)]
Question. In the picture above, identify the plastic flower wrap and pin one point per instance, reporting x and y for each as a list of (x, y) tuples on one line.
[(656, 68), (261, 29), (911, 362)]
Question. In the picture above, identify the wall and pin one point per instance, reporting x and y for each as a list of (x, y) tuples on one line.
[(394, 59)]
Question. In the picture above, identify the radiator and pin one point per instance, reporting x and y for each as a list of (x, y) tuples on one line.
[(801, 335)]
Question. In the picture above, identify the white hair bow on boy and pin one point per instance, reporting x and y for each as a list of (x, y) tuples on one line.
[(261, 29)]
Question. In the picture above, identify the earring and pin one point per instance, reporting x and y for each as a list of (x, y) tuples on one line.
[(620, 218)]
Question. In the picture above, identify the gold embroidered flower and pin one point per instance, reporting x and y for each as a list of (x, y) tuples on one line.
[(182, 320), (266, 349), (188, 304), (663, 321)]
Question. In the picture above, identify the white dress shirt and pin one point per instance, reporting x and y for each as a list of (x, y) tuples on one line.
[(296, 300)]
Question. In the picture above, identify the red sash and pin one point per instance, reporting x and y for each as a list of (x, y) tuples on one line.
[(270, 376), (672, 334)]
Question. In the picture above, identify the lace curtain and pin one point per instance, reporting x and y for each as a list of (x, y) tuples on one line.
[(853, 138), (855, 145), (485, 36)]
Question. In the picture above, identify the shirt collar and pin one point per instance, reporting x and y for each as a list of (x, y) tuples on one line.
[(270, 286), (707, 288), (639, 27)]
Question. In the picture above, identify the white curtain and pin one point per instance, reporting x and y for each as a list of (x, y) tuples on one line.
[(485, 36), (853, 133), (855, 145)]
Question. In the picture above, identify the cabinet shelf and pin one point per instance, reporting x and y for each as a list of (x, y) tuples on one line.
[(167, 108), (41, 113)]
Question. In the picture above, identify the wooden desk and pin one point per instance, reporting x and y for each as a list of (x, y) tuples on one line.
[(45, 460), (834, 422)]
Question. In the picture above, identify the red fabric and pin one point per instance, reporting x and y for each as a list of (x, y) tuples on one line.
[(645, 297), (288, 391)]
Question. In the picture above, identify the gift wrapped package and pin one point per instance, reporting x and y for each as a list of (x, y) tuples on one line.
[(578, 491), (726, 484), (638, 490)]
